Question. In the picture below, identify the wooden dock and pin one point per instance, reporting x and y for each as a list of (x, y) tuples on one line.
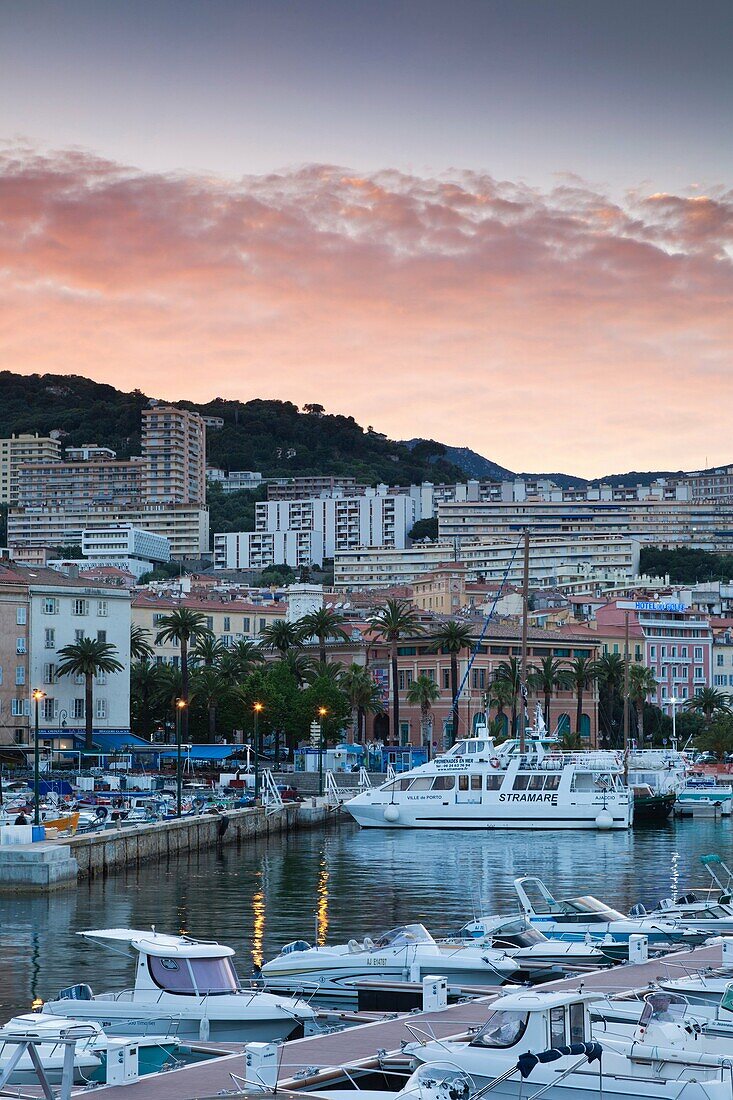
[(304, 1059)]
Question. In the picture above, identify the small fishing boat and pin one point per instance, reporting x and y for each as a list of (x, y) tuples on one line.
[(652, 807), (184, 988)]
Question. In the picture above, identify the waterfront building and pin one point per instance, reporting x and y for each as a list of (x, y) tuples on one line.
[(174, 454), (568, 562), (722, 653), (652, 520), (53, 611), (230, 620), (18, 450)]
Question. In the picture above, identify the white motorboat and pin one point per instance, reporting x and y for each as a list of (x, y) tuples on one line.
[(184, 988), (476, 785), (709, 908), (576, 919), (407, 953), (705, 790), (528, 942), (542, 1044)]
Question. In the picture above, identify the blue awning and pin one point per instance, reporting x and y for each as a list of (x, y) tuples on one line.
[(114, 742), (203, 752)]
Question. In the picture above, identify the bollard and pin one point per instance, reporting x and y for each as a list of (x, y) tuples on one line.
[(728, 951), (260, 1066), (638, 948), (434, 993)]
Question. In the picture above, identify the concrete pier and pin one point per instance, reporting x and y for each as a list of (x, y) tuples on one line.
[(49, 866)]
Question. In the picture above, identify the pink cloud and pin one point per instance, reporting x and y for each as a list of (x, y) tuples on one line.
[(547, 330)]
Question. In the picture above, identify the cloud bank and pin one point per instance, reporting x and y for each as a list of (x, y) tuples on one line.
[(548, 330)]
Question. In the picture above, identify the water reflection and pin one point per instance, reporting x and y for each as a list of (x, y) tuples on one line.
[(348, 883)]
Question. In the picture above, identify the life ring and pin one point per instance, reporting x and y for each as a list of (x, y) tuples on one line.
[(495, 762)]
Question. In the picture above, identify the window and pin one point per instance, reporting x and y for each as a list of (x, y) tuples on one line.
[(720, 660), (20, 645), (245, 624), (502, 1029), (78, 709), (227, 624), (263, 624), (1, 674), (80, 607), (50, 606), (577, 1023), (20, 675), (102, 636), (699, 673), (49, 673), (210, 622), (100, 708), (494, 782), (423, 783), (462, 782), (664, 651), (21, 707), (100, 678), (101, 607), (557, 1026), (521, 782), (674, 651), (444, 783), (446, 679), (49, 708), (698, 652), (49, 638), (652, 652), (552, 782), (475, 782), (21, 614), (683, 652)]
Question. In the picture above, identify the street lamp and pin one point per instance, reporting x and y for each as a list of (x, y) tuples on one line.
[(180, 707), (322, 712), (37, 696), (257, 707)]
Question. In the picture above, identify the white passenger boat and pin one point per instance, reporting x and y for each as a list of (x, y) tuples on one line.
[(543, 1044), (476, 785), (587, 917), (183, 988)]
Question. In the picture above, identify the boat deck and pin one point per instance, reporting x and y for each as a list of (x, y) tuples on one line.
[(304, 1058)]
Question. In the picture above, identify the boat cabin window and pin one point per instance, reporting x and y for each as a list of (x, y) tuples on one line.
[(444, 783), (396, 785), (588, 907), (521, 782), (469, 782), (404, 936), (422, 783), (193, 976), (476, 783), (577, 1023), (552, 782), (502, 1029), (536, 783), (557, 1026), (459, 749), (494, 782)]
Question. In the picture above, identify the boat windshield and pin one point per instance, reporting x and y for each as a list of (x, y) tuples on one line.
[(517, 933), (502, 1029), (405, 936), (662, 1008), (449, 1080), (202, 977), (589, 906)]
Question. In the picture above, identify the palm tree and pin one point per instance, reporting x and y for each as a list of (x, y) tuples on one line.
[(510, 673), (281, 636), (364, 697), (609, 672), (709, 701), (323, 624), (88, 658), (140, 647), (145, 685), (642, 684), (208, 651), (393, 621), (209, 689), (236, 662), (183, 626), (546, 678), (580, 678), (422, 693), (452, 638), (333, 671), (500, 695), (300, 664)]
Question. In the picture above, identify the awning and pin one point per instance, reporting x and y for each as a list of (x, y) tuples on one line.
[(203, 752)]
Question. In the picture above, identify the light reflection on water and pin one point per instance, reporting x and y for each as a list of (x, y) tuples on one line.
[(332, 886)]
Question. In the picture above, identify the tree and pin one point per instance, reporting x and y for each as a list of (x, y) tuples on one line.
[(424, 529), (642, 684), (236, 662), (280, 636), (708, 701), (323, 624), (422, 693), (500, 695), (609, 672), (275, 687), (140, 647), (363, 695), (208, 651), (326, 692), (718, 736), (88, 658), (183, 627), (145, 688), (209, 690), (580, 678), (510, 673), (452, 638), (549, 676), (395, 620)]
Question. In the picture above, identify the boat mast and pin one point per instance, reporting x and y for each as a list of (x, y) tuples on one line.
[(523, 672), (626, 696)]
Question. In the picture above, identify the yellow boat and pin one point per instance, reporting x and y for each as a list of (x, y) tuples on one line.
[(67, 824)]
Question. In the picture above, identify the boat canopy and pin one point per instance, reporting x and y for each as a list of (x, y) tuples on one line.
[(160, 945), (405, 936)]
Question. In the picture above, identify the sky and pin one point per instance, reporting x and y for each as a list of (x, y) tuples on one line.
[(503, 225)]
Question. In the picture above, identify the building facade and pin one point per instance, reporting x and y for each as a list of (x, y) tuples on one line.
[(16, 452), (174, 454), (230, 620)]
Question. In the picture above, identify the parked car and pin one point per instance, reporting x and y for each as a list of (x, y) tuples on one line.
[(707, 758), (288, 793)]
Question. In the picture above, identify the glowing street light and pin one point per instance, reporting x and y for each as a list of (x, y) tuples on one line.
[(180, 707)]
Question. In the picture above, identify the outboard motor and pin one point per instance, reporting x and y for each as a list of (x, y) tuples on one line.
[(79, 992)]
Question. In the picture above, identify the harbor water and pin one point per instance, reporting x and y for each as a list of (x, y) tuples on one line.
[(331, 885)]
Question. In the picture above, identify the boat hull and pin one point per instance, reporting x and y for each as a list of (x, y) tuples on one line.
[(125, 1020), (478, 817)]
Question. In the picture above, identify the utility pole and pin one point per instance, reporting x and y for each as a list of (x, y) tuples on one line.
[(523, 671)]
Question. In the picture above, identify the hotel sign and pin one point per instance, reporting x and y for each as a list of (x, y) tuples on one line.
[(643, 605)]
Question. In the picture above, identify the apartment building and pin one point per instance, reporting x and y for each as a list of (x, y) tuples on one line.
[(186, 526), (86, 483), (304, 488), (711, 484), (659, 522), (18, 450), (230, 620), (234, 481), (174, 453), (52, 611), (569, 563), (262, 549)]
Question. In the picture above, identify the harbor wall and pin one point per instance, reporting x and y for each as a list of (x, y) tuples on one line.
[(114, 849)]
